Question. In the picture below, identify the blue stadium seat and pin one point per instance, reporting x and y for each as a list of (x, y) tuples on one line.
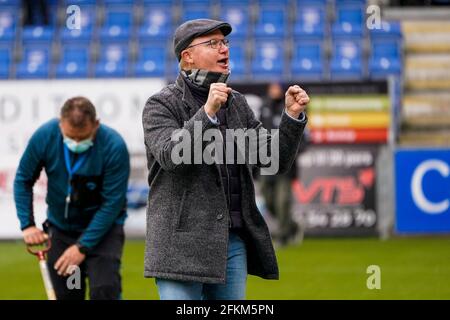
[(159, 3), (111, 70), (310, 23), (349, 49), (117, 25), (173, 69), (238, 61), (87, 26), (75, 53), (80, 2), (205, 4), (346, 69), (271, 3), (349, 21), (301, 3), (35, 63), (74, 62), (388, 30), (350, 2), (8, 19), (149, 68), (113, 61), (151, 61), (137, 194), (88, 17), (272, 23), (118, 2), (72, 69), (156, 24), (114, 52), (381, 67), (386, 48), (196, 13), (234, 2), (10, 3), (347, 62), (5, 62), (268, 60), (385, 58), (82, 35), (238, 17), (308, 61), (38, 35)]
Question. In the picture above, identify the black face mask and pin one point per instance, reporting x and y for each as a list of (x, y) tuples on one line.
[(204, 78)]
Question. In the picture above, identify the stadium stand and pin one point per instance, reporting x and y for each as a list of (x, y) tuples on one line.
[(290, 39), (301, 40), (426, 56), (5, 57)]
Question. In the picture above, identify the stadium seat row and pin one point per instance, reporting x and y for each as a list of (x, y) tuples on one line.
[(118, 38), (269, 58)]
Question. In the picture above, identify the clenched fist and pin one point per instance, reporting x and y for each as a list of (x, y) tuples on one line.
[(218, 95), (295, 100), (34, 236)]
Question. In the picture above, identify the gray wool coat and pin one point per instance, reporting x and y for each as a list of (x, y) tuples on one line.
[(187, 215)]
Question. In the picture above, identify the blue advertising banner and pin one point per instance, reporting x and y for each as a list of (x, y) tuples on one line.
[(422, 190)]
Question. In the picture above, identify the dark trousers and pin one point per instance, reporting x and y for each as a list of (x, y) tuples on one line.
[(101, 266)]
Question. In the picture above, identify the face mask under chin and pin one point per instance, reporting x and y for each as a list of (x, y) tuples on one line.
[(78, 147), (204, 78)]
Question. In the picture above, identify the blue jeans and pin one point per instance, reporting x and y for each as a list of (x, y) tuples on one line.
[(233, 289)]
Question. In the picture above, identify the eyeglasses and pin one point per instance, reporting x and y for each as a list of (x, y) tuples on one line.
[(213, 43)]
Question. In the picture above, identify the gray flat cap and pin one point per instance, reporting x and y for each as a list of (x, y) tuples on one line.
[(192, 29)]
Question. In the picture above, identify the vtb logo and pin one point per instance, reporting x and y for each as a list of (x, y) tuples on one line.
[(345, 190)]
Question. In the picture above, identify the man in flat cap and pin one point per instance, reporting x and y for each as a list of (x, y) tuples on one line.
[(204, 231)]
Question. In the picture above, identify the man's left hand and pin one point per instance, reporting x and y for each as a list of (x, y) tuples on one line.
[(295, 100), (71, 257)]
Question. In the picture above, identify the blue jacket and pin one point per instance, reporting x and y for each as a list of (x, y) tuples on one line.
[(99, 186)]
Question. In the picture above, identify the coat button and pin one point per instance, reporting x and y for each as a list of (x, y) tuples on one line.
[(219, 216)]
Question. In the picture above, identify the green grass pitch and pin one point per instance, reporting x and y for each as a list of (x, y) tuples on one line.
[(411, 268)]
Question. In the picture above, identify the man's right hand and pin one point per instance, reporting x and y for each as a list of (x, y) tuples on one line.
[(218, 95), (34, 236)]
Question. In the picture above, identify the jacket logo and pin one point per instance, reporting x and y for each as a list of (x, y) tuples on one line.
[(91, 186)]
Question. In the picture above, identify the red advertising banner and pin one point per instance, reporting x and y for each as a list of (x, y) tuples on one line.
[(335, 191), (348, 136)]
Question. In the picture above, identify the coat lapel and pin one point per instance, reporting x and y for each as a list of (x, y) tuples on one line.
[(233, 118), (188, 100)]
